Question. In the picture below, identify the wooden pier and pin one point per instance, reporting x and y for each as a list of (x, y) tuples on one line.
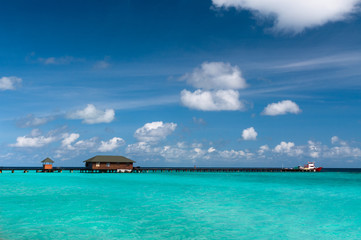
[(149, 170), (214, 169)]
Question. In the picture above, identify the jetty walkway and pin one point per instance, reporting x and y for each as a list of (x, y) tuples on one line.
[(151, 169)]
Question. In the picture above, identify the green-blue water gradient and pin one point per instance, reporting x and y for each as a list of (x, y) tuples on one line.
[(180, 206)]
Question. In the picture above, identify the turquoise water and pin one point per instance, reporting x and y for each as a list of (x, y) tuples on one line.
[(180, 206)]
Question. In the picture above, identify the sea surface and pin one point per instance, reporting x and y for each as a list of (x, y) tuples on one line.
[(247, 205)]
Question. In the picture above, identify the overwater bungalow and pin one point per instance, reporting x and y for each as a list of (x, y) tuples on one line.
[(47, 164), (110, 163)]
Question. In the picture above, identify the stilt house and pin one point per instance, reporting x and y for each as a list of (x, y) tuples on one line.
[(118, 163), (47, 164)]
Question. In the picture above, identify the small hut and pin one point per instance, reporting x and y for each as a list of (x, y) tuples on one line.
[(47, 164)]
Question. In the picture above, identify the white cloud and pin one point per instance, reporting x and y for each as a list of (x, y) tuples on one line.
[(36, 142), (154, 131), (249, 134), (288, 148), (211, 149), (263, 149), (35, 132), (314, 149), (9, 83), (69, 139), (71, 149), (295, 15), (217, 83), (337, 140), (343, 152), (192, 153), (86, 144), (107, 146), (174, 153), (343, 149), (284, 147), (36, 139), (139, 147), (281, 108), (233, 154), (183, 153), (212, 100), (216, 75), (334, 139), (92, 115), (32, 121)]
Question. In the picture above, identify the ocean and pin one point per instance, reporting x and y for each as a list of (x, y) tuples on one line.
[(248, 205)]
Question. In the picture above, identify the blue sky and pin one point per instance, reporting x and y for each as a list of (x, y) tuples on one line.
[(181, 83)]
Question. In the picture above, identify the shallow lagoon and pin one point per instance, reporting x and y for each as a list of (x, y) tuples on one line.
[(180, 206)]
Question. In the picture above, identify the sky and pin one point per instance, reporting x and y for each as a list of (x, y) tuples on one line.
[(233, 83)]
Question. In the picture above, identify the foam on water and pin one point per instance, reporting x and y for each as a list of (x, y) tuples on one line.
[(180, 206)]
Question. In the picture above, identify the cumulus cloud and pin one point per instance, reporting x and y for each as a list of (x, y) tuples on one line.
[(9, 83), (337, 140), (107, 146), (154, 131), (334, 139), (212, 100), (314, 149), (86, 144), (217, 84), (36, 142), (284, 147), (263, 149), (69, 139), (216, 75), (234, 154), (71, 148), (343, 152), (92, 115), (249, 134), (191, 153), (139, 147), (36, 139), (288, 148), (297, 15), (211, 149), (182, 152), (281, 108)]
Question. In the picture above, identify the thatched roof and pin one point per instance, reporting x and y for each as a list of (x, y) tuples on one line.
[(47, 160), (110, 159)]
